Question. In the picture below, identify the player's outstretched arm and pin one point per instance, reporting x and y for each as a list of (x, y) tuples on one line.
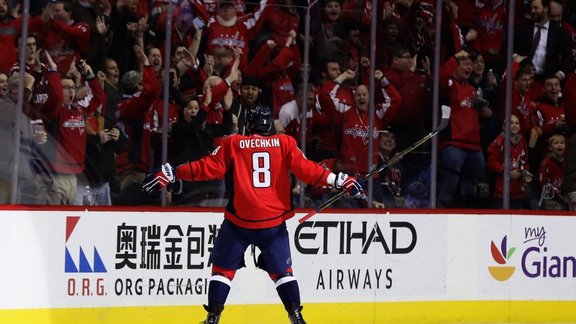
[(312, 173)]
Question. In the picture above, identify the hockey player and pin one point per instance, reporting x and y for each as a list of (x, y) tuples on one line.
[(257, 168)]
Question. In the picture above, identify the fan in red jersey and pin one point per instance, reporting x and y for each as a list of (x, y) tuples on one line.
[(256, 170)]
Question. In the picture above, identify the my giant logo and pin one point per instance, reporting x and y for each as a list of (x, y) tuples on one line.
[(537, 261), (501, 255)]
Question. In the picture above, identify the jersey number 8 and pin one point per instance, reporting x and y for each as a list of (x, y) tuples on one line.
[(261, 170)]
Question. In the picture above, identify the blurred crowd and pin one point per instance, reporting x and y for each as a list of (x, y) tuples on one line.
[(103, 81)]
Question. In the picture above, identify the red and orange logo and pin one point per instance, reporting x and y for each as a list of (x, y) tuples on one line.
[(501, 256)]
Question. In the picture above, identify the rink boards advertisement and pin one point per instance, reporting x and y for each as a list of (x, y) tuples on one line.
[(110, 264)]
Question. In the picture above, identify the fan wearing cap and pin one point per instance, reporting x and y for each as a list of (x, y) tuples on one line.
[(139, 91), (256, 168)]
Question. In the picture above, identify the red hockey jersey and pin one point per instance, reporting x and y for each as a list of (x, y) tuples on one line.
[(491, 31), (551, 171), (131, 113), (66, 125), (234, 36), (259, 169), (518, 161), (546, 115), (464, 131), (521, 108), (356, 134), (63, 41)]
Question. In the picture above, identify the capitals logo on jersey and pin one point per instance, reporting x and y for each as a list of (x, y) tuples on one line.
[(357, 132)]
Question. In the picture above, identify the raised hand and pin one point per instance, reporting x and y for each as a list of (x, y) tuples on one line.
[(101, 26), (140, 55), (209, 64)]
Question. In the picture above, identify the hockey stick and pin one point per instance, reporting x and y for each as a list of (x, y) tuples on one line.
[(443, 123)]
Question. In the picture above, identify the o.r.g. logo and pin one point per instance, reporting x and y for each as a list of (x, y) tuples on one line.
[(83, 266), (502, 272)]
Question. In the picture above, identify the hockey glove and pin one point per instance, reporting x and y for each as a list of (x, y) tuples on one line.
[(156, 181), (350, 184)]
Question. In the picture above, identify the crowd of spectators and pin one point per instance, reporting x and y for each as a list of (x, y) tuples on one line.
[(94, 101)]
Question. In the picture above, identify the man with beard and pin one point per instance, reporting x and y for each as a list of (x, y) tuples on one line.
[(557, 16), (547, 44), (390, 31), (249, 97)]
